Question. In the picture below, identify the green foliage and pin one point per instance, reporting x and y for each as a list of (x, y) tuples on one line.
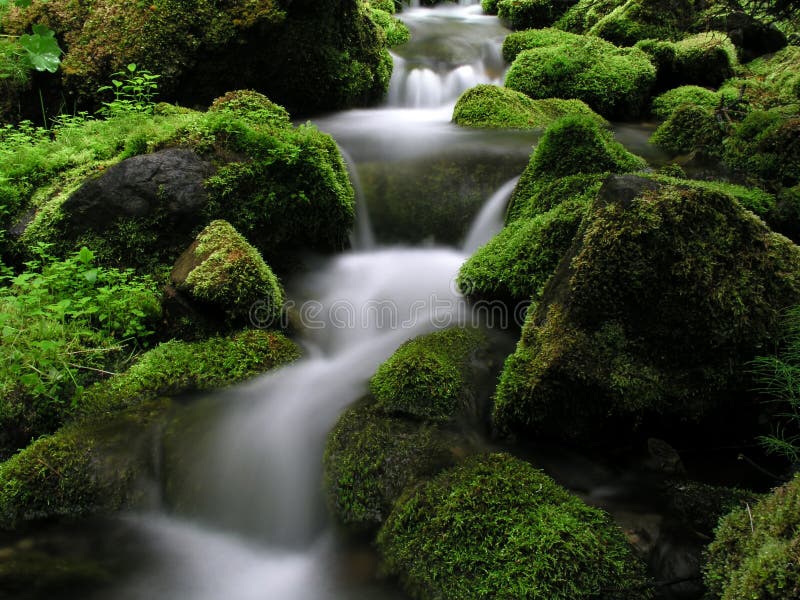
[(370, 458), (226, 272), (778, 378), (97, 466), (384, 5), (62, 323), (252, 107), (690, 127), (428, 377), (134, 90), (395, 30), (578, 144), (495, 527), (492, 106), (779, 74), (529, 14), (177, 367), (670, 292), (706, 59), (613, 81), (41, 48), (756, 551)]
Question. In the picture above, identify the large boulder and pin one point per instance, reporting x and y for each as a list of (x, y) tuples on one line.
[(549, 63), (530, 14), (137, 190), (664, 296), (496, 527), (306, 55)]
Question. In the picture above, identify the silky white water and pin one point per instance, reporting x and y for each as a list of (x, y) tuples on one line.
[(252, 524)]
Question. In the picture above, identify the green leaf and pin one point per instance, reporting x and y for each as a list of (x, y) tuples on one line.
[(42, 49), (85, 255), (90, 275)]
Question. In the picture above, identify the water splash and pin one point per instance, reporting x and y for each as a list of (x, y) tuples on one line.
[(489, 221)]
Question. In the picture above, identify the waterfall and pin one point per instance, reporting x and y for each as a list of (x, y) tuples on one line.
[(489, 221)]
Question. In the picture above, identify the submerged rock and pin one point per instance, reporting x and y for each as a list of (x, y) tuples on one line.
[(663, 297)]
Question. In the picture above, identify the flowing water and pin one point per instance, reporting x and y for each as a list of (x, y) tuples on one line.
[(247, 520)]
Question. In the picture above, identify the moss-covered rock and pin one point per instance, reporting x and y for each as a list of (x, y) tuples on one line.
[(585, 14), (613, 81), (766, 146), (428, 378), (636, 20), (780, 74), (530, 14), (665, 104), (706, 59), (498, 107), (756, 550), (517, 263), (96, 466), (571, 146), (489, 6), (284, 188), (690, 128), (306, 55), (370, 458), (495, 527), (665, 295), (177, 367), (223, 271)]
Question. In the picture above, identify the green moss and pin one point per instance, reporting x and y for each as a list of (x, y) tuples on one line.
[(702, 505), (754, 199), (756, 551), (177, 367), (226, 272), (690, 128), (15, 79), (370, 458), (489, 6), (384, 5), (664, 105), (492, 106), (779, 74), (613, 81), (253, 107), (573, 145), (495, 527), (428, 377), (583, 15), (645, 19), (706, 59), (97, 466), (667, 292), (517, 263), (529, 14), (764, 145), (395, 30)]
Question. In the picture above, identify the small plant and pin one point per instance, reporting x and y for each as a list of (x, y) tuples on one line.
[(37, 50), (134, 92), (778, 377)]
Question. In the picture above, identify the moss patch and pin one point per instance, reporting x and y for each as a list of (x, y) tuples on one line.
[(495, 527), (428, 377), (498, 107), (756, 552), (177, 367), (613, 81), (370, 458), (690, 128), (98, 466), (530, 14), (223, 270), (703, 59)]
